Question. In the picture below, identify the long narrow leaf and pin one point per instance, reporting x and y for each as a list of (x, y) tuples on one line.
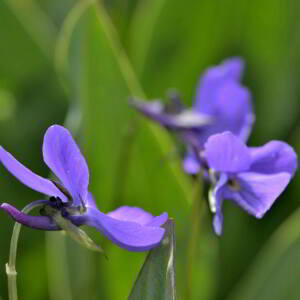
[(156, 280)]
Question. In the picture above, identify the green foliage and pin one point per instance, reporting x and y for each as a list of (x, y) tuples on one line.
[(275, 272), (90, 57), (156, 280)]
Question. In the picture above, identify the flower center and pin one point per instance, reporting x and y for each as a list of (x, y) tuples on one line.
[(56, 205), (174, 105), (234, 184)]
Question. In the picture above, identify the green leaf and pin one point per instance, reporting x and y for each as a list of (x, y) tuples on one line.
[(30, 29), (179, 39), (275, 272), (111, 129), (175, 39), (156, 280)]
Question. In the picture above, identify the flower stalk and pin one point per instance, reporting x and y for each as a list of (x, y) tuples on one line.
[(197, 214)]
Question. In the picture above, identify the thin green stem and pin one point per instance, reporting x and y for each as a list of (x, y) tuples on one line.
[(11, 265), (57, 267), (194, 234)]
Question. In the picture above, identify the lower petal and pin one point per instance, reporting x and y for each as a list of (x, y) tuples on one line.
[(158, 221), (259, 191), (218, 222), (130, 231), (274, 157), (216, 200), (131, 214), (137, 215)]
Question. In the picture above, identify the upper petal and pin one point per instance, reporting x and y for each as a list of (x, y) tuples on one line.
[(153, 110), (258, 191), (124, 231), (226, 153), (182, 120), (90, 202), (63, 157), (274, 157), (29, 178), (230, 69), (225, 99)]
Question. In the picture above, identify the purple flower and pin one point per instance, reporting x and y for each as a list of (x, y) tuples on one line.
[(129, 227), (222, 103), (253, 177)]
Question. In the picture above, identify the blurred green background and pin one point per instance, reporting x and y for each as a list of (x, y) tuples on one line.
[(76, 63)]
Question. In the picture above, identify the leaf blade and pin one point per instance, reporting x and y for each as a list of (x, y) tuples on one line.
[(157, 278)]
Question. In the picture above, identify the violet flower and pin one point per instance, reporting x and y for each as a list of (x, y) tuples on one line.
[(253, 177), (222, 103), (129, 227)]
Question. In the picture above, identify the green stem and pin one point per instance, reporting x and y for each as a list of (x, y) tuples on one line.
[(57, 267), (11, 265), (194, 234)]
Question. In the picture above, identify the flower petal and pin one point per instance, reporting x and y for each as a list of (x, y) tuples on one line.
[(230, 69), (258, 191), (129, 235), (226, 153), (131, 214), (63, 157), (138, 215), (153, 110), (216, 200), (36, 222), (158, 221), (184, 120), (274, 157), (189, 120), (221, 96), (218, 223), (29, 178), (191, 164), (91, 202)]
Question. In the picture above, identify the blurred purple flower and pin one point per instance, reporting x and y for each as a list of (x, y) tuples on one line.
[(129, 227), (253, 177), (222, 103)]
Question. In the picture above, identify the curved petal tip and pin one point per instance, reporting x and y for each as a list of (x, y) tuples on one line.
[(63, 157)]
